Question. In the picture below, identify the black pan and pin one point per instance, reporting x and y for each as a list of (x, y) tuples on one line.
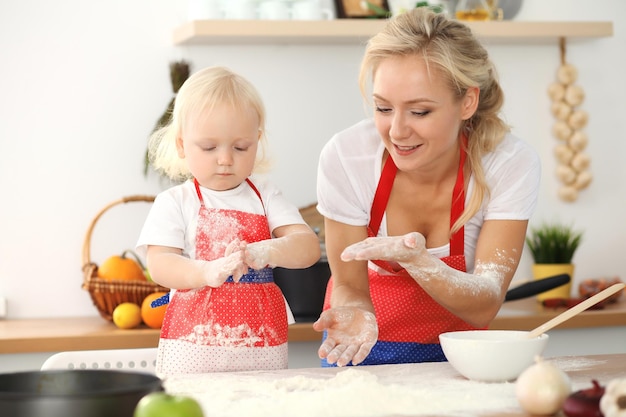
[(532, 288), (74, 393)]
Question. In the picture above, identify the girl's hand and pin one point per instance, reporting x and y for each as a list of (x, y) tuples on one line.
[(257, 254), (393, 248), (351, 334), (217, 271)]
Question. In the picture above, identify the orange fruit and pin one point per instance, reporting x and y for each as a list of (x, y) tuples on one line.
[(127, 315), (122, 267), (153, 317)]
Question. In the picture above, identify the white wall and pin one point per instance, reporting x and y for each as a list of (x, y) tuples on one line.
[(82, 84)]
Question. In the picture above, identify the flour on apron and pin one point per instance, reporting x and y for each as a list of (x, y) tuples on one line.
[(235, 327)]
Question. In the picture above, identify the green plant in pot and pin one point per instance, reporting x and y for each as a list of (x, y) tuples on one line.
[(553, 246)]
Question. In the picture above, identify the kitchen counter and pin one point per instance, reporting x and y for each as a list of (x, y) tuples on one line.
[(85, 333)]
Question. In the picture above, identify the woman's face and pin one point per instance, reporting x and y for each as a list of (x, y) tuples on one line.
[(416, 113), (220, 146)]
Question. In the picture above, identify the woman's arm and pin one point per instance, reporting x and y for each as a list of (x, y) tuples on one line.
[(476, 297), (350, 322), (350, 280)]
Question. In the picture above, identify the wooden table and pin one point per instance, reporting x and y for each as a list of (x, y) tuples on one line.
[(83, 333)]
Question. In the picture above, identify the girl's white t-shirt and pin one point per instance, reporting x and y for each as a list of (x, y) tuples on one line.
[(173, 217), (350, 166)]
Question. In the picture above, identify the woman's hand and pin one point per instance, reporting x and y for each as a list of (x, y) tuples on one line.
[(393, 248), (351, 334)]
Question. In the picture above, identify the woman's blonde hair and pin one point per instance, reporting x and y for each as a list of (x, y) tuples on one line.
[(449, 46), (199, 94)]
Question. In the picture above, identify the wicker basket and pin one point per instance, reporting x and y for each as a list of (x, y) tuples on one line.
[(108, 294)]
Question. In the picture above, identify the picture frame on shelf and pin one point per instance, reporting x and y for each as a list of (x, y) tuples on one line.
[(353, 9)]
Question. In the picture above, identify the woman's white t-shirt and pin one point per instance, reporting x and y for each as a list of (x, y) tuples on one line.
[(350, 166)]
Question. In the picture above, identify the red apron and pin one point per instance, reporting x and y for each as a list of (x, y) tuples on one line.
[(235, 327), (409, 320)]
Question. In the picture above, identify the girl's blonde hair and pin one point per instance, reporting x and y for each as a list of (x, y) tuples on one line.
[(199, 94), (450, 47)]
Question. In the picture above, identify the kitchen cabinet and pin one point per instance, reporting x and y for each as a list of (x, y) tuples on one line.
[(348, 31)]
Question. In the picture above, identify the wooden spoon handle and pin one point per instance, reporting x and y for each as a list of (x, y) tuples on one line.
[(578, 308)]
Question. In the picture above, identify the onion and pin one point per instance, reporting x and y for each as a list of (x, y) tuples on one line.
[(542, 388)]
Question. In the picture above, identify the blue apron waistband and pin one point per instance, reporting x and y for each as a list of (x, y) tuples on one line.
[(255, 276), (260, 276)]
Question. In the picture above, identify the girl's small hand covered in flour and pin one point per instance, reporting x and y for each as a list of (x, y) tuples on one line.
[(257, 255), (217, 271)]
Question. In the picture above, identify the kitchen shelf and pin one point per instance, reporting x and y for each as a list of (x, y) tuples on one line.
[(347, 31)]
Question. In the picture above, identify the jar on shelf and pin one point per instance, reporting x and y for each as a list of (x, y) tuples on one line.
[(473, 10)]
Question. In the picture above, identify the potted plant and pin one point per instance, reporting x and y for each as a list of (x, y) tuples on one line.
[(553, 246)]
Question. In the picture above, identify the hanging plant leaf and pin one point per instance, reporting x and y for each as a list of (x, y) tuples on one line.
[(179, 72)]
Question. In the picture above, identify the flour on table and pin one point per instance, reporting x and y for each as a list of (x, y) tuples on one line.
[(382, 390)]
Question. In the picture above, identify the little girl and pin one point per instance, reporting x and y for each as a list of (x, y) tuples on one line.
[(214, 238)]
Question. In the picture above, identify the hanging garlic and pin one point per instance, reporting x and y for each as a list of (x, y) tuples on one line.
[(574, 95), (561, 110), (566, 174), (556, 91), (563, 153), (578, 141), (580, 162), (568, 193), (572, 163), (583, 179)]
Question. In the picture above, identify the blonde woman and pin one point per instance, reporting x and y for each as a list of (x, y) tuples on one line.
[(426, 204), (215, 237)]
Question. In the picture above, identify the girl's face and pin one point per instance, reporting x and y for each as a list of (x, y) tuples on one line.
[(220, 145), (417, 115)]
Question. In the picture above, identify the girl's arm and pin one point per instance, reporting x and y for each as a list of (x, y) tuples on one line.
[(171, 269), (294, 246)]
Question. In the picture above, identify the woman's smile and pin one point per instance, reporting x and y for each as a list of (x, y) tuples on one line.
[(405, 150)]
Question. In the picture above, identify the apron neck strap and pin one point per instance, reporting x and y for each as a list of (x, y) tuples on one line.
[(256, 191)]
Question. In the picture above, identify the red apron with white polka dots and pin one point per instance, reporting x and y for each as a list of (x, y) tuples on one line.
[(235, 327), (409, 320)]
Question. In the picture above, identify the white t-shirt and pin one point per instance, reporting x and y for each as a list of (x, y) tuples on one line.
[(350, 166), (173, 218)]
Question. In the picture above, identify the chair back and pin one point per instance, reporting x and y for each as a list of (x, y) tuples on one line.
[(140, 360)]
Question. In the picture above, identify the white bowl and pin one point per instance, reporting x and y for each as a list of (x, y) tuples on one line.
[(491, 355)]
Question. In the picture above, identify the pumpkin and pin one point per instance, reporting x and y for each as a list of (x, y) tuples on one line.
[(122, 267)]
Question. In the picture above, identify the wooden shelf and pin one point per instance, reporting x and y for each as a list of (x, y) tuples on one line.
[(359, 30)]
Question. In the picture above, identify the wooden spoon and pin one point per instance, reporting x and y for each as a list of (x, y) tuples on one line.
[(578, 308)]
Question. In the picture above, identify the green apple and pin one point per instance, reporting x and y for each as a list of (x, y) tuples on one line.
[(147, 274), (162, 404)]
